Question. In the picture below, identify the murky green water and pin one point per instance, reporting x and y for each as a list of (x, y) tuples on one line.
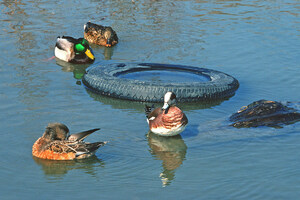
[(255, 41)]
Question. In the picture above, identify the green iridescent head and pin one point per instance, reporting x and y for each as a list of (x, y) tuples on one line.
[(84, 42), (81, 46)]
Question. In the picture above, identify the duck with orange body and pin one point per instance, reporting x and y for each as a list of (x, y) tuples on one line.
[(100, 35), (57, 144), (168, 120)]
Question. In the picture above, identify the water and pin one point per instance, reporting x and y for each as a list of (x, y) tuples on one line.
[(257, 42), (165, 76)]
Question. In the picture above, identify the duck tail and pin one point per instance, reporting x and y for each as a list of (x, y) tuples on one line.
[(94, 146), (148, 109), (89, 149)]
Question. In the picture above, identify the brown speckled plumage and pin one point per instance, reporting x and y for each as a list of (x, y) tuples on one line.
[(100, 35)]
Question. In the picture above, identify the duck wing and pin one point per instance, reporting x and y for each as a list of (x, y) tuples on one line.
[(154, 113), (78, 148), (82, 135), (87, 148)]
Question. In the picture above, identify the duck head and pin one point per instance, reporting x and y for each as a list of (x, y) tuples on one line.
[(169, 100), (73, 50), (56, 131)]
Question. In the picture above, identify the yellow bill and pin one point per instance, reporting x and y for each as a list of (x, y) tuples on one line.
[(89, 54)]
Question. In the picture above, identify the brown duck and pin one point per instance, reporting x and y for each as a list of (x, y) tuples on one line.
[(57, 144), (100, 35)]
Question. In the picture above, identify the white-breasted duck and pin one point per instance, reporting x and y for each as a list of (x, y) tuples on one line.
[(73, 50), (168, 120), (100, 35)]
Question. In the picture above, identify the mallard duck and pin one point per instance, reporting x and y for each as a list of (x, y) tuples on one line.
[(73, 50), (57, 144), (100, 35), (168, 120)]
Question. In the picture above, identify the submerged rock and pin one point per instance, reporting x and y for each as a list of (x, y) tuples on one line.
[(264, 113)]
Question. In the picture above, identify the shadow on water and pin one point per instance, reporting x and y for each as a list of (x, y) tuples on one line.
[(190, 131), (58, 168), (139, 106), (171, 150)]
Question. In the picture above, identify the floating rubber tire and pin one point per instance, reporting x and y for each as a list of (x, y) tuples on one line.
[(105, 80)]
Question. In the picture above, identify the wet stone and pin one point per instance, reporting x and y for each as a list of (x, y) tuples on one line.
[(264, 113)]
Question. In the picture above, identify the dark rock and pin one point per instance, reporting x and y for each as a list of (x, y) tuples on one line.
[(264, 113)]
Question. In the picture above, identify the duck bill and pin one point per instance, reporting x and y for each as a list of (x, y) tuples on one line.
[(109, 43), (89, 54), (165, 106)]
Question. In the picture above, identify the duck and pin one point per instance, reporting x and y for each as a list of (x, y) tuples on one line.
[(73, 50), (57, 144), (168, 120), (100, 35)]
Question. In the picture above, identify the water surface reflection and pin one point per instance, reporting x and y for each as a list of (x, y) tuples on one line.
[(77, 69), (59, 168), (107, 52), (171, 150), (126, 104)]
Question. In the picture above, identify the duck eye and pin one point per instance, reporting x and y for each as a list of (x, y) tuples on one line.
[(79, 47)]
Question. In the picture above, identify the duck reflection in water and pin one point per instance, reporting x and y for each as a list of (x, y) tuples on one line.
[(58, 168), (171, 150), (78, 70)]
